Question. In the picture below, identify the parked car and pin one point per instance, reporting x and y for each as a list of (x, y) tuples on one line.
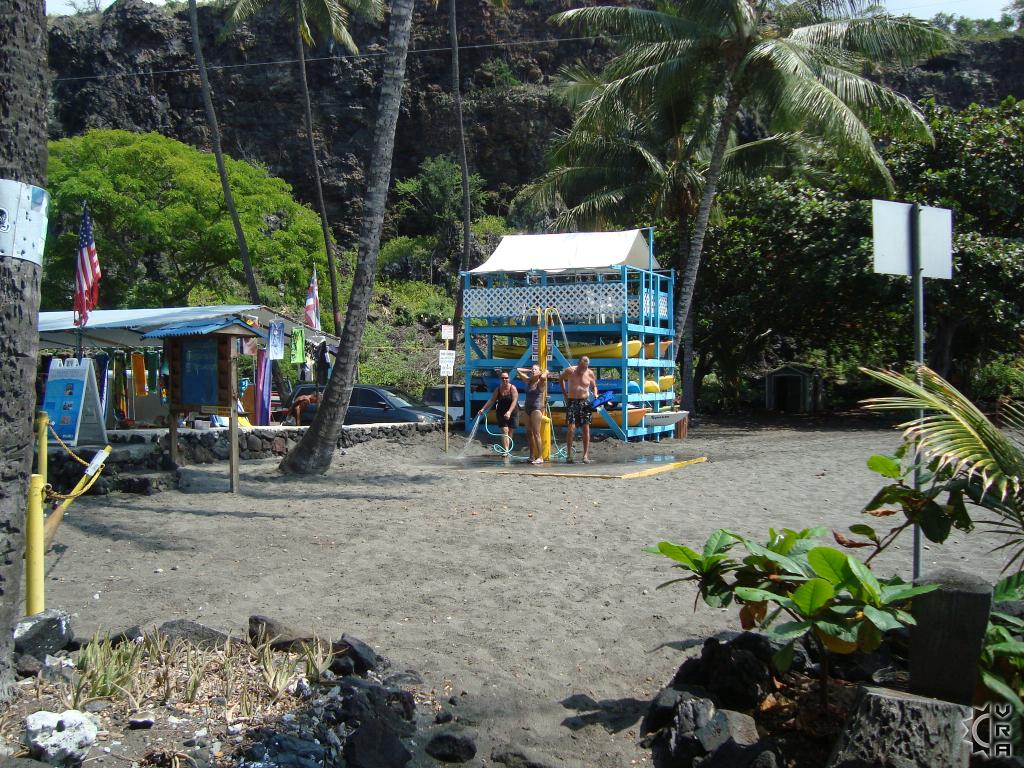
[(434, 397), (372, 405)]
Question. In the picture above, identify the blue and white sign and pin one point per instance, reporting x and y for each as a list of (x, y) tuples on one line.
[(72, 402)]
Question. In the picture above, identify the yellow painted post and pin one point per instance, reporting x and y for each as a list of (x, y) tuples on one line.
[(42, 435), (542, 360), (34, 550)]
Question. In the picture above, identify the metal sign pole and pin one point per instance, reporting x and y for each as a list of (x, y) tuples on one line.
[(446, 405), (917, 287)]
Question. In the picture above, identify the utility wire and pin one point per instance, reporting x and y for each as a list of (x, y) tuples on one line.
[(287, 62)]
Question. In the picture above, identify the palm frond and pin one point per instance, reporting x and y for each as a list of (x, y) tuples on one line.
[(884, 39), (955, 432), (645, 26)]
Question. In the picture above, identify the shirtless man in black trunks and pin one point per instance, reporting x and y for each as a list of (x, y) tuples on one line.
[(577, 382)]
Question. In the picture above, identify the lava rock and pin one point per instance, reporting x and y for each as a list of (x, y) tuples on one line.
[(198, 634), (141, 720), (678, 742), (890, 729), (62, 740), (514, 756), (43, 633), (343, 665), (362, 655), (403, 678), (736, 678), (27, 665), (375, 745), (444, 716), (452, 747)]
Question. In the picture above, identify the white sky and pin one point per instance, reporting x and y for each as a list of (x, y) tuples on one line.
[(925, 9)]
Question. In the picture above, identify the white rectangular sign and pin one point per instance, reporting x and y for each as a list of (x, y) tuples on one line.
[(23, 212), (890, 225), (446, 360), (447, 332)]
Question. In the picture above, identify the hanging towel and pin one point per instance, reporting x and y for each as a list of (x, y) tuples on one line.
[(262, 388), (139, 385), (152, 370), (101, 363), (120, 388), (298, 348)]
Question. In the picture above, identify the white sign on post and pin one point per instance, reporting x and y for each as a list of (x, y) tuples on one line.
[(23, 213), (447, 332), (446, 360), (891, 238)]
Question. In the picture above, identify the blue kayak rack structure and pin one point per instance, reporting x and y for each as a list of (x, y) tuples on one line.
[(605, 291)]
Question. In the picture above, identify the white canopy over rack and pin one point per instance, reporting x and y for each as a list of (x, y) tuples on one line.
[(589, 251)]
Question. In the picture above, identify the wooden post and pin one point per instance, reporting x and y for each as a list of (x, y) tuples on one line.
[(233, 419), (172, 435)]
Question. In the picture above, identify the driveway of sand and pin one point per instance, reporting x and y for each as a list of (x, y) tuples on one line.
[(529, 594)]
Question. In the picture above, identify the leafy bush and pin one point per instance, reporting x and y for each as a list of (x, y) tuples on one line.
[(829, 595), (161, 228), (1003, 377), (499, 74)]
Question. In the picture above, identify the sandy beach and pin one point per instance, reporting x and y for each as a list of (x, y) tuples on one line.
[(526, 597)]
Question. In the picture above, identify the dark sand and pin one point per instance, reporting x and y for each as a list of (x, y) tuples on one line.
[(519, 591)]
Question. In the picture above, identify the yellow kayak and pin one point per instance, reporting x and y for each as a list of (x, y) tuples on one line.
[(514, 351), (665, 383), (656, 350)]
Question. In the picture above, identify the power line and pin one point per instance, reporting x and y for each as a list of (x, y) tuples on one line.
[(284, 62)]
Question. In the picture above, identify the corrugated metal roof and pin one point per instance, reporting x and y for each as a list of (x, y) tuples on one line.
[(201, 328)]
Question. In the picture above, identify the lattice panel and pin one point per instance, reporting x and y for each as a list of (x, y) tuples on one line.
[(581, 300)]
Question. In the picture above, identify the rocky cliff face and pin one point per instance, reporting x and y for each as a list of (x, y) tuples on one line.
[(131, 68)]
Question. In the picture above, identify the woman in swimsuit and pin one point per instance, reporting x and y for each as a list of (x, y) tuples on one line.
[(536, 398), (505, 400)]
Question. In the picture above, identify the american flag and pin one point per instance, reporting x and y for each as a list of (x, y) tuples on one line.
[(87, 271), (311, 315)]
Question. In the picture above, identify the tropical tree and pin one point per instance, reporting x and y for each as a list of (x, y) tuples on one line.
[(162, 228), (211, 122), (790, 67), (314, 452), (329, 17), (621, 165), (23, 101)]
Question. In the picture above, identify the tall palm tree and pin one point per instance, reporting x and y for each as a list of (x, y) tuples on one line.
[(467, 218), (23, 153), (621, 165), (329, 17), (211, 122), (314, 452), (794, 67)]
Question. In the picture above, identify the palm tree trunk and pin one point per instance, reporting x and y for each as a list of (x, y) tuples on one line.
[(314, 452), (222, 171), (211, 122), (467, 235), (707, 199), (23, 152), (335, 305)]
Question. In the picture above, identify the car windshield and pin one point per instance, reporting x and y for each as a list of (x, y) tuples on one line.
[(400, 399)]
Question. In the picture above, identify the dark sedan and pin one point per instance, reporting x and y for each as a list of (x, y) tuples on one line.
[(373, 405)]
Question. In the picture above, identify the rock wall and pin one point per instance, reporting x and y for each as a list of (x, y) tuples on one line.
[(141, 463)]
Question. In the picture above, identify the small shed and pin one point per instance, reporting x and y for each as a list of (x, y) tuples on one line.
[(794, 388)]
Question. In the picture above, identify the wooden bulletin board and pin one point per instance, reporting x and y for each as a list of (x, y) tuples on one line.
[(200, 374)]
